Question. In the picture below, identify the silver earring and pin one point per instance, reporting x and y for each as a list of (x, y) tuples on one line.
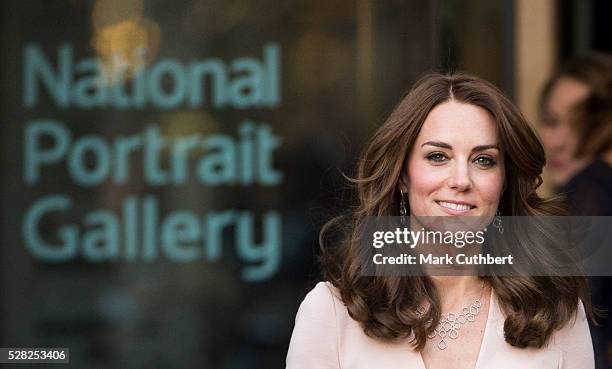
[(402, 208), (497, 222)]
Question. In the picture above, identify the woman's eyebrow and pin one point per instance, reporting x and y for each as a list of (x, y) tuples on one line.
[(485, 147), (438, 144), (447, 146)]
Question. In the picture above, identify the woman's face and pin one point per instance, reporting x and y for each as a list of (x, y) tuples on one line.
[(456, 166), (558, 137)]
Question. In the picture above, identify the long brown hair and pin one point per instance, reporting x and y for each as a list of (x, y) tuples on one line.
[(386, 306)]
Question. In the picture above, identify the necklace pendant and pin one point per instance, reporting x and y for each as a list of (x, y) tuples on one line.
[(442, 345), (449, 324)]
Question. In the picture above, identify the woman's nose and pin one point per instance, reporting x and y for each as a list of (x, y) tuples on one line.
[(459, 178)]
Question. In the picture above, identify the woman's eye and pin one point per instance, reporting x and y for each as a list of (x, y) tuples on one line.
[(485, 161), (436, 157)]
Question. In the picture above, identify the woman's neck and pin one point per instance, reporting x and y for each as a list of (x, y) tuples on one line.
[(457, 291)]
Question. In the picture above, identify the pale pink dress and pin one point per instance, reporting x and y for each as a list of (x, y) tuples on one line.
[(326, 337)]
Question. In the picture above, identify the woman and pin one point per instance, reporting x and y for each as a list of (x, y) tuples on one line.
[(453, 146), (576, 129)]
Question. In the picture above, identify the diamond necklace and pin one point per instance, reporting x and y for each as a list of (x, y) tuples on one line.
[(450, 324)]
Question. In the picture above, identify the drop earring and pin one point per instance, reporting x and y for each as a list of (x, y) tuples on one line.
[(497, 222), (402, 208)]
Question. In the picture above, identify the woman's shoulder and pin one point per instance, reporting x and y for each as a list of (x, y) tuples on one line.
[(327, 289), (323, 306), (574, 342), (577, 323), (323, 299), (314, 341)]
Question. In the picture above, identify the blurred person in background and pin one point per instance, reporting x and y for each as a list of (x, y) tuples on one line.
[(576, 130)]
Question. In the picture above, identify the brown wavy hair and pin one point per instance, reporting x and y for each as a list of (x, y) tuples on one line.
[(386, 306)]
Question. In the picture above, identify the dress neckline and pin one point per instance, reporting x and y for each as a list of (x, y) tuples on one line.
[(484, 335)]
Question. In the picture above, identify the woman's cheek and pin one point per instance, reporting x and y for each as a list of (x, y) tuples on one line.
[(490, 186), (423, 179)]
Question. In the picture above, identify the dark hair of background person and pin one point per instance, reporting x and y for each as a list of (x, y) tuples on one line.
[(592, 117), (386, 306)]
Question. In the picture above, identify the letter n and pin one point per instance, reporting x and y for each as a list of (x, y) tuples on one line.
[(37, 66)]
